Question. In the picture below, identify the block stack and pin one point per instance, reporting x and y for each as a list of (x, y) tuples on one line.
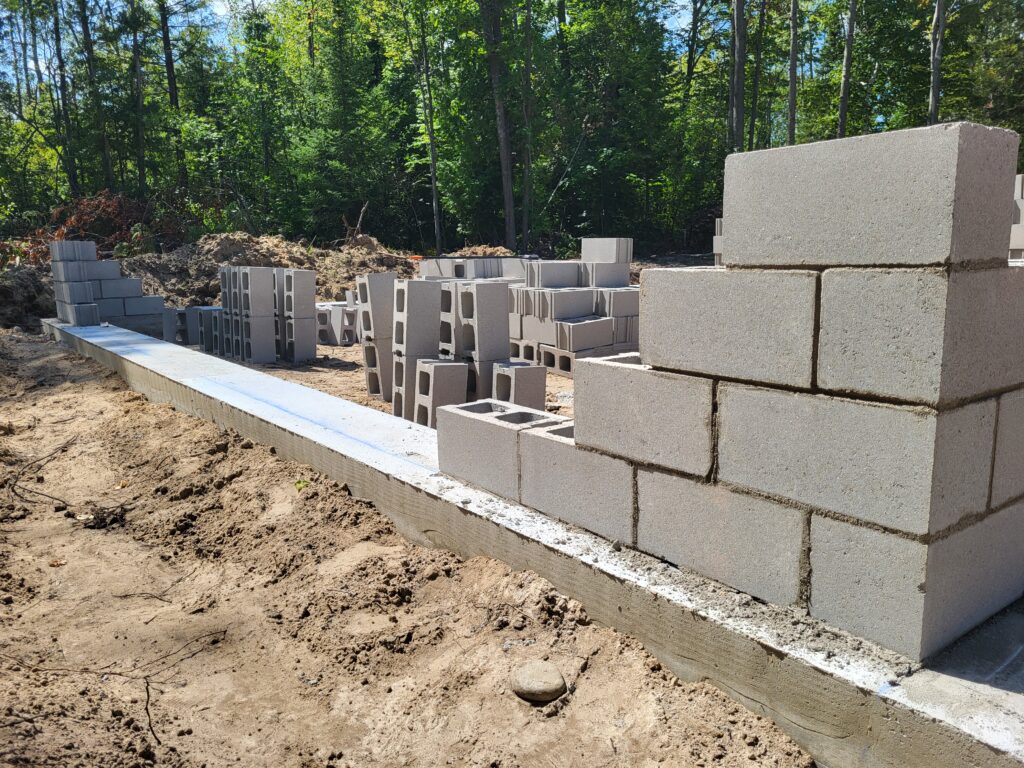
[(832, 419), (376, 293), (89, 291), (265, 313), (570, 310), (415, 336), (337, 322)]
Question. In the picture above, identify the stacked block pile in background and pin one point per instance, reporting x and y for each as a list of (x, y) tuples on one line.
[(834, 419), (89, 291)]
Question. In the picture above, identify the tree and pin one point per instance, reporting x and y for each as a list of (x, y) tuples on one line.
[(844, 89), (938, 32), (794, 46), (739, 26)]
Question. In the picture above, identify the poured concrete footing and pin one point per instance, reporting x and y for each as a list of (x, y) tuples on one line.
[(846, 701)]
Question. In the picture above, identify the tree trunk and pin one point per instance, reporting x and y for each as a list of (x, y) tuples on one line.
[(14, 67), (140, 103), (310, 39), (756, 87), (490, 13), (563, 46), (172, 90), (844, 88), (69, 149), (23, 31), (95, 95), (739, 26), (35, 49), (794, 44), (427, 97), (692, 38), (938, 32), (527, 118)]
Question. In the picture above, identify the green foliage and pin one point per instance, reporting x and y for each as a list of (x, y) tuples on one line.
[(300, 117)]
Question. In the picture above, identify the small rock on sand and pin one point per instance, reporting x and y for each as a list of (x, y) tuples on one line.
[(538, 681)]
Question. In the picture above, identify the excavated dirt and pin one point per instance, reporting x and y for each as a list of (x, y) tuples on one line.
[(188, 275), (171, 594)]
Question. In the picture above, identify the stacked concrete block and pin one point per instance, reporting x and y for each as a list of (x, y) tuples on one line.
[(478, 443), (207, 338), (416, 336), (297, 320), (606, 250), (520, 384), (1017, 227), (438, 383), (717, 242), (834, 417)]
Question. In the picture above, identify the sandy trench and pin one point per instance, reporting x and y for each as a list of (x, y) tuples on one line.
[(171, 594)]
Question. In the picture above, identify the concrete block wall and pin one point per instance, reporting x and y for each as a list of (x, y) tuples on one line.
[(834, 418)]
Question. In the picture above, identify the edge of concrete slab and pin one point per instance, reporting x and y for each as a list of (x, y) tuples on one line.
[(846, 701)]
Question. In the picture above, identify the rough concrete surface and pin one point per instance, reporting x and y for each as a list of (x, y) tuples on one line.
[(1008, 469), (934, 195)]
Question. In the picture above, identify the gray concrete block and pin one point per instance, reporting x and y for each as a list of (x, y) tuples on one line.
[(258, 344), (553, 274), (108, 269), (542, 331), (169, 322), (417, 318), (73, 293), (72, 250), (748, 543), (478, 443), (403, 387), (143, 305), (1008, 468), (193, 324), (78, 314), (123, 288), (515, 325), (614, 250), (911, 597), (905, 468), (599, 275), (483, 308), (1016, 237), (1018, 186), (561, 362), (752, 325), (300, 293), (438, 383), (479, 379), (666, 419), (520, 384), (300, 339), (584, 333), (580, 487), (150, 325), (110, 308), (565, 303), (376, 292), (924, 196), (68, 271), (378, 368), (256, 290), (921, 335), (1018, 214), (617, 302), (513, 268), (207, 336)]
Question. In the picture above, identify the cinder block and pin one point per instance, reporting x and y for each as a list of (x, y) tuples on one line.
[(193, 324), (483, 308), (566, 303), (378, 368), (513, 268), (300, 339), (911, 597), (257, 291), (515, 326), (479, 379), (438, 383), (341, 330), (562, 363), (553, 274), (600, 275), (72, 250), (617, 302), (73, 293), (1016, 237), (614, 250), (207, 339), (169, 318), (1018, 186), (417, 318), (909, 469), (665, 420), (478, 443), (78, 314), (751, 325), (123, 288), (921, 335), (403, 392), (580, 487), (520, 384), (150, 325), (69, 271), (748, 543), (300, 293), (924, 196), (108, 269), (584, 333), (144, 305), (1008, 468), (1018, 214), (258, 339), (110, 308), (542, 331), (376, 305)]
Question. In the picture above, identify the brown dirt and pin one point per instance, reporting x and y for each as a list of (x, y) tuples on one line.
[(187, 276), (481, 252), (172, 594)]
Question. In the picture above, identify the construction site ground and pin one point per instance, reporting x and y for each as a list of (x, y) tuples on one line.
[(172, 594)]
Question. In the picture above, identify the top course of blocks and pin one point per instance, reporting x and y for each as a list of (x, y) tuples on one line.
[(928, 196)]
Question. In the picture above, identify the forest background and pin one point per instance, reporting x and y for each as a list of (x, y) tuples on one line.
[(523, 123)]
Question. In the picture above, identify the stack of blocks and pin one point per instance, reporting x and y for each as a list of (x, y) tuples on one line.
[(265, 313), (415, 336), (834, 419), (376, 294), (570, 310), (89, 291), (336, 323), (474, 330)]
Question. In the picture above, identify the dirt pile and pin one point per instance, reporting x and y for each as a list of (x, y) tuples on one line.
[(26, 295), (173, 594), (481, 252), (187, 276)]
